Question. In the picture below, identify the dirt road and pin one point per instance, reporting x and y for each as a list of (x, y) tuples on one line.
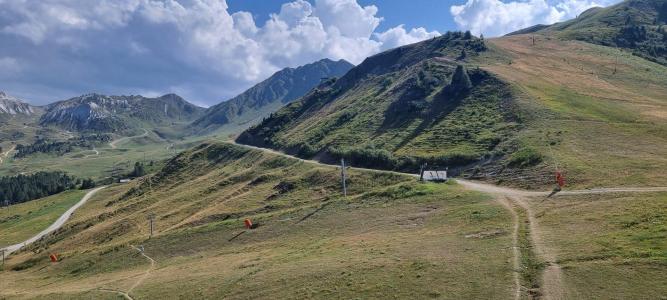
[(552, 287), (115, 142), (6, 154), (57, 224)]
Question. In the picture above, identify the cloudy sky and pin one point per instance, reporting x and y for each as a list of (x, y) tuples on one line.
[(210, 50)]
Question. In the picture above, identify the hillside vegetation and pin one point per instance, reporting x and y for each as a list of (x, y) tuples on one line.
[(21, 221), (635, 25), (537, 103), (594, 112), (391, 236), (398, 109)]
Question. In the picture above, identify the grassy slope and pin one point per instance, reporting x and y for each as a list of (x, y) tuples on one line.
[(602, 128), (610, 246), (20, 222), (399, 101), (85, 163), (634, 25), (391, 236)]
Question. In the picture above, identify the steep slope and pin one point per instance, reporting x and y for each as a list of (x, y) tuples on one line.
[(13, 106), (418, 103), (94, 112), (269, 95), (636, 25)]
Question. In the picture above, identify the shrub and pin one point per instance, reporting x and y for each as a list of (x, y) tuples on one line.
[(525, 157)]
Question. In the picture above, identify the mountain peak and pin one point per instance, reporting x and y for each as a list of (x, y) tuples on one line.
[(267, 96), (14, 106)]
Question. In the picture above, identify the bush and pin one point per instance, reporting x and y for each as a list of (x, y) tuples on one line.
[(87, 184), (525, 157)]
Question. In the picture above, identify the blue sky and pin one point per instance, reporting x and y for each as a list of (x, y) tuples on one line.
[(210, 50), (431, 14)]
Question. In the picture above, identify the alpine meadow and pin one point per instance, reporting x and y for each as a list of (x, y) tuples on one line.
[(519, 152)]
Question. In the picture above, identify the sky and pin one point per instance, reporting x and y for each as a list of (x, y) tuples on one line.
[(208, 51)]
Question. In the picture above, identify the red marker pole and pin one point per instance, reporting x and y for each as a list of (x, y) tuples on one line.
[(560, 179)]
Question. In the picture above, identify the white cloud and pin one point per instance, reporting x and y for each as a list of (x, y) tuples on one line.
[(347, 17), (398, 36), (495, 17), (195, 45)]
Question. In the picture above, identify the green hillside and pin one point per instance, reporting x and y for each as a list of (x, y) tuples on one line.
[(391, 236), (636, 25), (419, 103), (537, 104)]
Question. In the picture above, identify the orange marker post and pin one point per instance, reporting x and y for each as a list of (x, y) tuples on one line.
[(53, 258), (560, 179), (248, 223)]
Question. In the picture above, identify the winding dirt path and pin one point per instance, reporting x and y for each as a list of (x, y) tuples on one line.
[(552, 282), (113, 143), (6, 154), (127, 295), (97, 153), (148, 271)]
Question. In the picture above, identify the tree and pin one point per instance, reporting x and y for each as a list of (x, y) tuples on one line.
[(87, 184), (138, 170), (467, 35), (460, 81), (463, 54), (23, 188)]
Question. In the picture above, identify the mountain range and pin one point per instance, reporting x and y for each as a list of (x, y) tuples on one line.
[(543, 106), (94, 112), (269, 95)]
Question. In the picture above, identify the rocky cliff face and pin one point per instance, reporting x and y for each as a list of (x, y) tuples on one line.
[(14, 106)]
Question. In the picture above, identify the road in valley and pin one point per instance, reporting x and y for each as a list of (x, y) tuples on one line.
[(57, 224), (115, 142)]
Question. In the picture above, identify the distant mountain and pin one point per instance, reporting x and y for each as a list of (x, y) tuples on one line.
[(636, 25), (13, 106), (269, 95), (94, 112), (408, 105)]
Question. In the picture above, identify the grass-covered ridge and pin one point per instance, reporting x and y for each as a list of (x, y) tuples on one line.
[(635, 25), (419, 103), (386, 238)]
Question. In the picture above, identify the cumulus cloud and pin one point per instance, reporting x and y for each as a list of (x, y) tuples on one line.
[(398, 36), (194, 47), (495, 17)]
